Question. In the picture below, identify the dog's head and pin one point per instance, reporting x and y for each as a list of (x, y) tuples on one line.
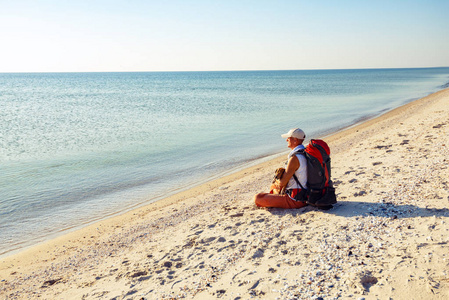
[(278, 174)]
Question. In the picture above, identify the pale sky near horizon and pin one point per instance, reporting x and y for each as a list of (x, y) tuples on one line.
[(139, 35)]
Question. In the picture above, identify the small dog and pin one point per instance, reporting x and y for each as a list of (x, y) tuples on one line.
[(274, 188)]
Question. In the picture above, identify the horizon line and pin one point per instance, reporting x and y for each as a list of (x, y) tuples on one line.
[(209, 71)]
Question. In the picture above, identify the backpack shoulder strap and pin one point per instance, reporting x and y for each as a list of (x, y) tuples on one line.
[(300, 151), (297, 181)]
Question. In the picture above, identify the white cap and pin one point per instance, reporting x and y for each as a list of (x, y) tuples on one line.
[(296, 133)]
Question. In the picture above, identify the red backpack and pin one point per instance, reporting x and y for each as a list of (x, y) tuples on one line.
[(320, 191)]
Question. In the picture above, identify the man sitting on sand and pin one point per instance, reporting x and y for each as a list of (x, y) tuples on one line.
[(296, 165)]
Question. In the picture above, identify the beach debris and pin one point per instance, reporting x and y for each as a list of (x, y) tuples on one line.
[(361, 193), (258, 253), (237, 215), (138, 274), (208, 240), (439, 125), (256, 293), (382, 146), (50, 282)]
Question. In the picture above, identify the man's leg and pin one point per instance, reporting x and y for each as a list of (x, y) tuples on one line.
[(280, 201)]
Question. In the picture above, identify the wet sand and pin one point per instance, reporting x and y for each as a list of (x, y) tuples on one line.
[(386, 238)]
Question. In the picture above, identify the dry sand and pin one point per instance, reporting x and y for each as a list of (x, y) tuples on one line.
[(386, 238)]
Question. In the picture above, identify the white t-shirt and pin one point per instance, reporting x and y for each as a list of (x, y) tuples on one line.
[(301, 173)]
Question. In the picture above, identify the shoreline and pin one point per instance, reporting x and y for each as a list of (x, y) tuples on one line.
[(74, 202), (248, 165), (230, 196)]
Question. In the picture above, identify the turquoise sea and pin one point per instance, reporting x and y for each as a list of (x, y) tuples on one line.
[(79, 147)]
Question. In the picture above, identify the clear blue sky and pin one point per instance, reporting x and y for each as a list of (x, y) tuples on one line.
[(139, 35)]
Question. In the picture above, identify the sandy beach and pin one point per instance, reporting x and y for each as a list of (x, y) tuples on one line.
[(387, 237)]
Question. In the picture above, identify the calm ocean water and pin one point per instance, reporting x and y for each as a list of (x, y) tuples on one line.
[(78, 147)]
